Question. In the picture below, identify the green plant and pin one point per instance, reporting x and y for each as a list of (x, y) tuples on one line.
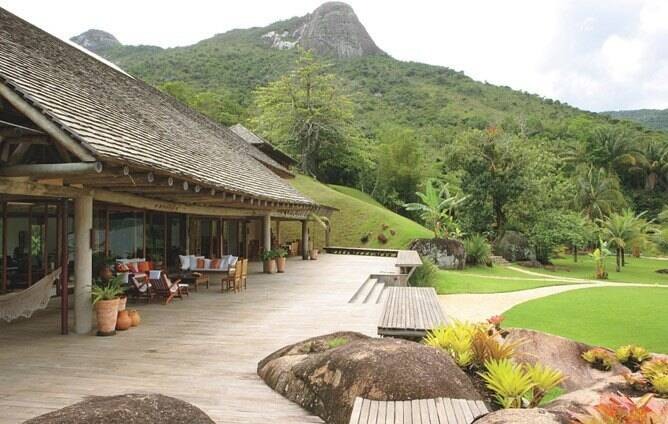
[(281, 253), (599, 256), (268, 255), (108, 291), (437, 207), (336, 342), (509, 382), (425, 275), (599, 358), (632, 356), (478, 250), (455, 339), (656, 373), (660, 385), (487, 345), (620, 409), (545, 379)]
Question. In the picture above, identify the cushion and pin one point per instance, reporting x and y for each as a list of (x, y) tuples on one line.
[(215, 263), (200, 263), (185, 262), (122, 268), (233, 261), (132, 266), (193, 261), (224, 263), (143, 267), (207, 263), (154, 275)]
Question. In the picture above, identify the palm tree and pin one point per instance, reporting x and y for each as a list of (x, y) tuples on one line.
[(652, 164), (597, 194), (613, 149), (624, 229), (437, 207)]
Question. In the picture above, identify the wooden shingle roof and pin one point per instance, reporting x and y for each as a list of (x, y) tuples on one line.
[(121, 119), (263, 145)]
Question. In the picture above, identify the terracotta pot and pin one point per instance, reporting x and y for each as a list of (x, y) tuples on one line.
[(123, 321), (269, 266), (280, 264), (106, 274), (106, 312), (313, 253), (134, 317), (122, 302)]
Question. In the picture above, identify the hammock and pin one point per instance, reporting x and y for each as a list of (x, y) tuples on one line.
[(26, 302)]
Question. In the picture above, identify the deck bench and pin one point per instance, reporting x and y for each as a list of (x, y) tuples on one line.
[(422, 411), (410, 312), (407, 262)]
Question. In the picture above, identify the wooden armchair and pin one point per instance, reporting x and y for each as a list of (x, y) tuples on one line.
[(163, 287), (244, 273), (233, 279), (140, 288)]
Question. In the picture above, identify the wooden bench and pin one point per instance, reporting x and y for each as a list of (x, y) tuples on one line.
[(410, 312), (361, 251), (407, 261), (423, 411)]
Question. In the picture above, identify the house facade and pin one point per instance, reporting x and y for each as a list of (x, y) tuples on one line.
[(95, 163)]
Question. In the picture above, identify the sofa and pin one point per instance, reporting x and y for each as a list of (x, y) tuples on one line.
[(194, 263)]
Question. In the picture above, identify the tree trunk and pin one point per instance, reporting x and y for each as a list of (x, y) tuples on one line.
[(619, 259), (623, 257), (575, 253)]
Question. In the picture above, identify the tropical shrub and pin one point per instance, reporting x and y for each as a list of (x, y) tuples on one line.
[(487, 345), (425, 275), (656, 373), (518, 386), (496, 321), (478, 250), (365, 238), (599, 358), (620, 409), (107, 291), (632, 356)]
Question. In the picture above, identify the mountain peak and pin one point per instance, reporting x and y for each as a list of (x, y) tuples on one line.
[(96, 40), (332, 29)]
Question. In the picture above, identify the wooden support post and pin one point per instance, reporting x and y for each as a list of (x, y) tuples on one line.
[(45, 235), (187, 234), (64, 262), (266, 229), (83, 264), (29, 245), (305, 252), (4, 248), (278, 232)]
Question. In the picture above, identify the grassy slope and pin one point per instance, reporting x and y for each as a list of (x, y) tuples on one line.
[(608, 317), (497, 279), (637, 270), (357, 215)]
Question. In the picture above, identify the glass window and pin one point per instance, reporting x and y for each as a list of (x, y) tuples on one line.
[(126, 234), (99, 230), (155, 236)]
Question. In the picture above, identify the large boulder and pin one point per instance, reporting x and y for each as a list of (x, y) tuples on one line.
[(560, 353), (513, 246), (126, 409), (446, 253), (520, 416), (325, 374)]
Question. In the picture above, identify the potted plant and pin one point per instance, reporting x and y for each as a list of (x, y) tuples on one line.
[(281, 259), (269, 261), (102, 266), (313, 253), (105, 299)]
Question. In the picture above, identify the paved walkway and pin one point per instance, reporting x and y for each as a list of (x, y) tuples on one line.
[(204, 349)]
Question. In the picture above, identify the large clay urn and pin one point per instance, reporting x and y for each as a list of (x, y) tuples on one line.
[(123, 321), (280, 264), (269, 266), (106, 312), (134, 317), (122, 302), (313, 253)]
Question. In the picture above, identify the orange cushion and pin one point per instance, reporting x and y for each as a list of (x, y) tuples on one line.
[(122, 268), (200, 263), (215, 263), (143, 267), (132, 267)]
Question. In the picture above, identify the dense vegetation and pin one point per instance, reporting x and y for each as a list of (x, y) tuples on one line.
[(651, 118), (392, 129)]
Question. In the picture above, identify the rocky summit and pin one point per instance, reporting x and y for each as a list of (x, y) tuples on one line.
[(96, 40)]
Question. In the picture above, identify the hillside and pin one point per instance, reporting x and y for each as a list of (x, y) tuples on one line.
[(359, 214), (651, 118)]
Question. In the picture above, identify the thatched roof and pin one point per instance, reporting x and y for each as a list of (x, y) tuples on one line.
[(121, 119)]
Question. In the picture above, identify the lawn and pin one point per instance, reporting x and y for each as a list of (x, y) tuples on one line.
[(637, 270), (484, 279), (606, 316)]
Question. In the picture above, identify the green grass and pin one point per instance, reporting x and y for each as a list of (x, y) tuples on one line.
[(606, 316), (481, 279), (637, 270), (358, 214)]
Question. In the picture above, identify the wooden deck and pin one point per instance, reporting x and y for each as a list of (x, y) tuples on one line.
[(423, 411), (408, 259), (204, 349), (410, 312), (361, 251)]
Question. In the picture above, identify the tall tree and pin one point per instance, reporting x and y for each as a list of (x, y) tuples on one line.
[(308, 112), (612, 149), (437, 207), (652, 164), (597, 193), (621, 229)]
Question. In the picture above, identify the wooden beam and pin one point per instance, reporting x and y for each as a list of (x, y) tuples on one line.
[(20, 104), (18, 154), (46, 170)]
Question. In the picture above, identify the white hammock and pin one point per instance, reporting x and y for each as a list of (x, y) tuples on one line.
[(25, 302)]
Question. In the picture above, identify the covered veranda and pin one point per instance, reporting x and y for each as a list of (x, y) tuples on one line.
[(203, 349)]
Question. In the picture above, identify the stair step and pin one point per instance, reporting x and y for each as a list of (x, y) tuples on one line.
[(374, 294), (364, 290)]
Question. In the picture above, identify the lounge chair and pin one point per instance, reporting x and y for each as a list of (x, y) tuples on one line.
[(163, 287), (141, 288)]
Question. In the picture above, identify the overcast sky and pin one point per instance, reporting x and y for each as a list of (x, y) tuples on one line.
[(593, 54)]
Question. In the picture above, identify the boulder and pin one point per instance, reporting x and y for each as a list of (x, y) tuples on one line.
[(446, 253), (126, 409), (578, 400), (513, 246), (325, 374), (521, 416)]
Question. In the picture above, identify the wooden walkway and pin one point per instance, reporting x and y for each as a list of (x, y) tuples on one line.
[(423, 411), (362, 251), (410, 312), (203, 349)]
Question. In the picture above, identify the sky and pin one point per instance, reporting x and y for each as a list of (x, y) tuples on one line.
[(593, 54)]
